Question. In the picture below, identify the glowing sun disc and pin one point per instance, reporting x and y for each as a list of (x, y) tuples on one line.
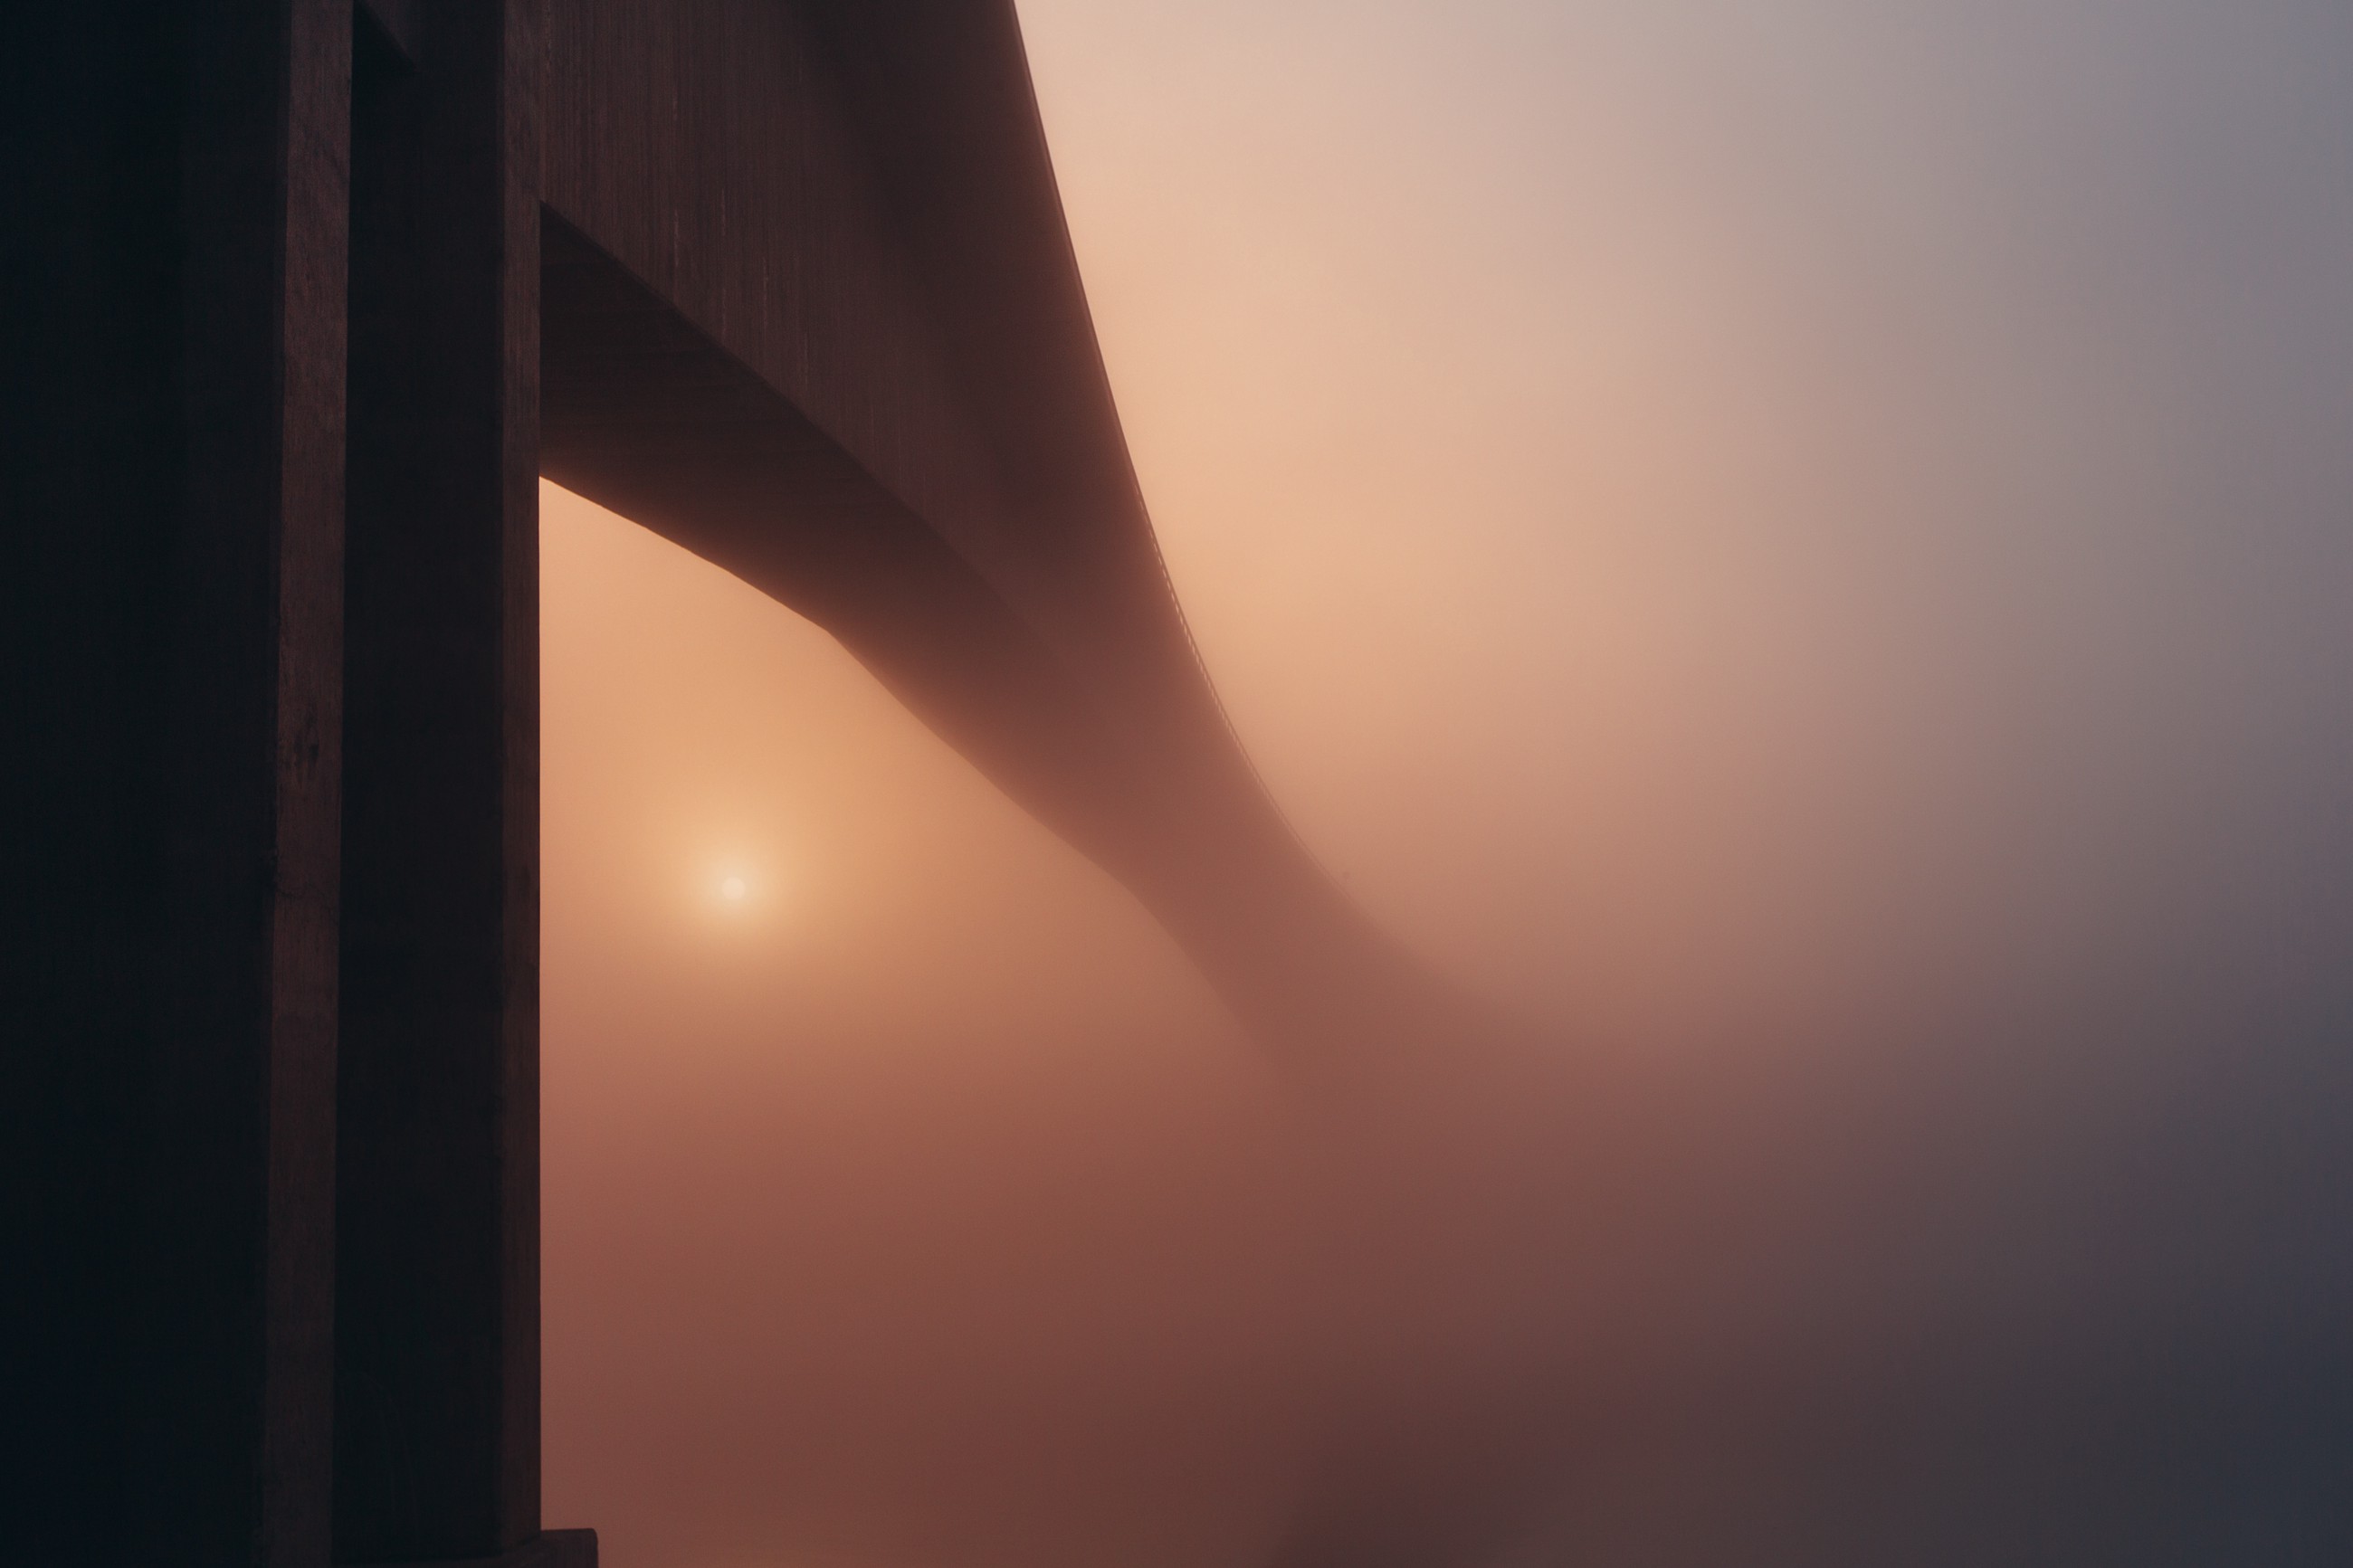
[(734, 890)]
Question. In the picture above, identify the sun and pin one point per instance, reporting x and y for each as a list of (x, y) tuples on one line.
[(734, 890)]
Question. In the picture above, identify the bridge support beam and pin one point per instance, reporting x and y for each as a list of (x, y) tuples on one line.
[(437, 1384), (171, 489)]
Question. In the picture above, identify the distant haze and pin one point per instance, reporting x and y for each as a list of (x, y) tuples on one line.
[(1805, 545)]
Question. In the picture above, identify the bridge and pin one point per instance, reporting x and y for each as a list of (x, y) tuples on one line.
[(302, 299)]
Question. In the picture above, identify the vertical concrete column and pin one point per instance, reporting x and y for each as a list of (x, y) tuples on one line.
[(437, 1449), (242, 1105), (172, 439)]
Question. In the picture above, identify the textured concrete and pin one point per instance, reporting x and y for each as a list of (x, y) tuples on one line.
[(437, 1433), (171, 441)]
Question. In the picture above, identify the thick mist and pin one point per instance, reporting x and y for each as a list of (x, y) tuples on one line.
[(1802, 550)]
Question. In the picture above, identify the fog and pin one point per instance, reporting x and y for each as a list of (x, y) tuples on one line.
[(1798, 552)]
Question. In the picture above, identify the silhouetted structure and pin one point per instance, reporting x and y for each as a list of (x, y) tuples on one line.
[(298, 306)]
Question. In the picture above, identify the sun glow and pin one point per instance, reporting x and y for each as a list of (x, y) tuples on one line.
[(734, 890)]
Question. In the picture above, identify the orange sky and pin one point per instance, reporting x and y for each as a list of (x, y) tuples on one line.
[(1712, 519), (843, 1180)]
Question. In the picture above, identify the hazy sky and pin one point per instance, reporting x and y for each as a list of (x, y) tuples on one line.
[(1718, 436), (1815, 531)]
